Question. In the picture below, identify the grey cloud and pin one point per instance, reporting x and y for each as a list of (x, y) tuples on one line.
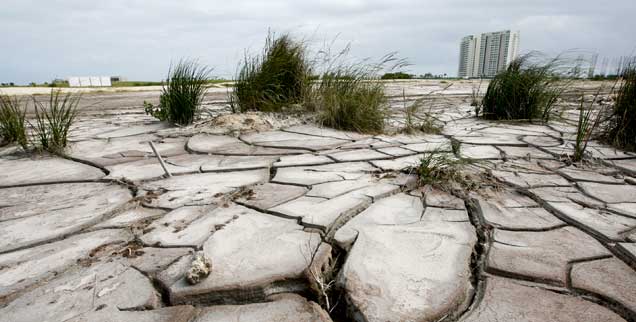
[(138, 38)]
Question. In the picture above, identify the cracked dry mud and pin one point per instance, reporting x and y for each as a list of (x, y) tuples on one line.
[(103, 236)]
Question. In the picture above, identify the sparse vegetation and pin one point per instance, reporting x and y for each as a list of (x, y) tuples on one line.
[(443, 170), (53, 121), (476, 99), (621, 129), (346, 96), (182, 93), (353, 103), (588, 122), (409, 115), (12, 121), (277, 79), (349, 96), (526, 90), (437, 167), (413, 122), (428, 125)]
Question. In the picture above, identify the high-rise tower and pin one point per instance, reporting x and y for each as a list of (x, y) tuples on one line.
[(486, 54)]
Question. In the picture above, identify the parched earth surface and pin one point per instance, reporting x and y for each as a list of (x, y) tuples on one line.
[(303, 223)]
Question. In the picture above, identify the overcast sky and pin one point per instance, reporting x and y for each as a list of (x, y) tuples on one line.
[(43, 39)]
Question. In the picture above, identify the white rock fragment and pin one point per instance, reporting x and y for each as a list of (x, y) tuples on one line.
[(199, 270)]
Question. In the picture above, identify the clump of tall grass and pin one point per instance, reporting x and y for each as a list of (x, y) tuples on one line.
[(182, 94), (351, 97), (351, 104), (12, 121), (525, 90), (53, 121), (621, 128), (278, 78)]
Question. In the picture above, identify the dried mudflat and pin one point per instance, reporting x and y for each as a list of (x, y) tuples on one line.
[(105, 236)]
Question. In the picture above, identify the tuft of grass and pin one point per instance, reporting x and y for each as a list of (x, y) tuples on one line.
[(476, 99), (278, 78), (350, 96), (427, 125), (351, 103), (53, 121), (526, 90), (444, 171), (424, 123), (12, 121), (621, 128), (409, 115), (437, 168), (182, 93)]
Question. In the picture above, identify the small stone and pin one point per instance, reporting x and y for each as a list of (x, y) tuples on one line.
[(199, 270)]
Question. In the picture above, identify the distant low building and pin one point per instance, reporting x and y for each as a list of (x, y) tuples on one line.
[(486, 54), (89, 81)]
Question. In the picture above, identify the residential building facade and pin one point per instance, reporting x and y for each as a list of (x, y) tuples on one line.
[(486, 54)]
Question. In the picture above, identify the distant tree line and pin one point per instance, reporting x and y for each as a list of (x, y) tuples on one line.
[(397, 75)]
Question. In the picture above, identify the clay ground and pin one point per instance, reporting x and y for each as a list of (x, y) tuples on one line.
[(303, 223)]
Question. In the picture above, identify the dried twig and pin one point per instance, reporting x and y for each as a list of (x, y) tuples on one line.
[(322, 280), (163, 165)]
